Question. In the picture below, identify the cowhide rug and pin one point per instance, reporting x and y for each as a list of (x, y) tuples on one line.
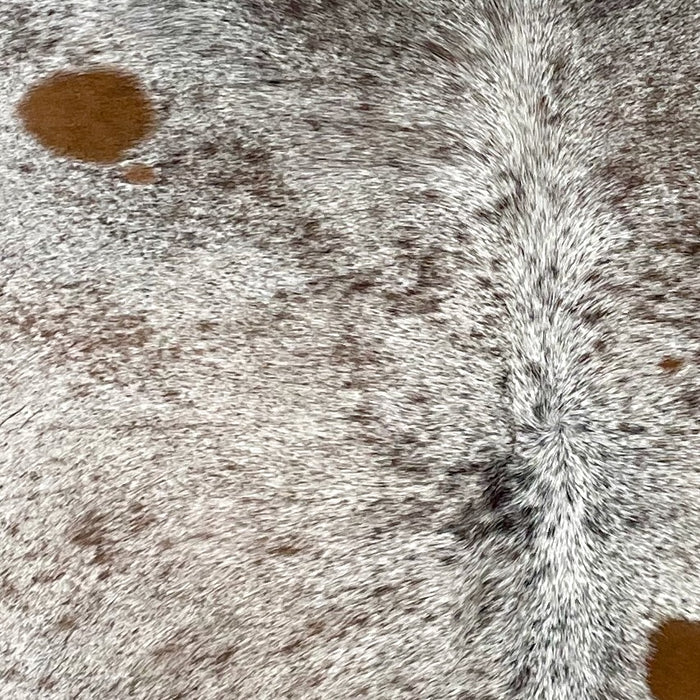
[(349, 348)]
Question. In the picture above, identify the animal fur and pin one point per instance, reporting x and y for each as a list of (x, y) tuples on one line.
[(388, 388)]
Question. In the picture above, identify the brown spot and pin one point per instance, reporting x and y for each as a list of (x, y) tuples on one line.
[(285, 550), (383, 590), (224, 656), (7, 588), (206, 326), (315, 680), (66, 623), (362, 284), (671, 364), (142, 522), (291, 647), (315, 627), (674, 668), (94, 115), (47, 683), (169, 649), (101, 558), (89, 531), (139, 174), (47, 577)]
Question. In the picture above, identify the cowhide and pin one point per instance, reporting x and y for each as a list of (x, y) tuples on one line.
[(349, 348)]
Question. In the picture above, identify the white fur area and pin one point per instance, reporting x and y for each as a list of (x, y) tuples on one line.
[(365, 397)]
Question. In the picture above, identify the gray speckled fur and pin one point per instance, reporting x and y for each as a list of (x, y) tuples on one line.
[(363, 399)]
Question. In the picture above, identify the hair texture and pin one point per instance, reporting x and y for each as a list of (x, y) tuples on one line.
[(377, 373)]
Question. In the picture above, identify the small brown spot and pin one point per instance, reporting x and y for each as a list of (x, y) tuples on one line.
[(101, 558), (169, 649), (89, 531), (291, 647), (674, 667), (224, 656), (361, 284), (66, 623), (206, 326), (383, 590), (315, 680), (142, 522), (316, 627), (139, 174), (671, 364), (94, 115), (47, 577), (7, 588), (47, 683), (285, 550)]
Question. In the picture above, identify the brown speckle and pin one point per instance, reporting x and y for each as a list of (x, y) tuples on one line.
[(94, 115), (674, 666)]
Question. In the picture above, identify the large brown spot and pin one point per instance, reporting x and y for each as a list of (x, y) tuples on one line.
[(674, 669), (94, 116)]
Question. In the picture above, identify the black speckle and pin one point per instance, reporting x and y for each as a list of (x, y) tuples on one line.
[(600, 527), (539, 410), (535, 372), (631, 429), (439, 51), (500, 511), (519, 683)]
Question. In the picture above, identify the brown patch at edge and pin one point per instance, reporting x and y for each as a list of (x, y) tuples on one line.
[(93, 115), (674, 666), (140, 174)]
